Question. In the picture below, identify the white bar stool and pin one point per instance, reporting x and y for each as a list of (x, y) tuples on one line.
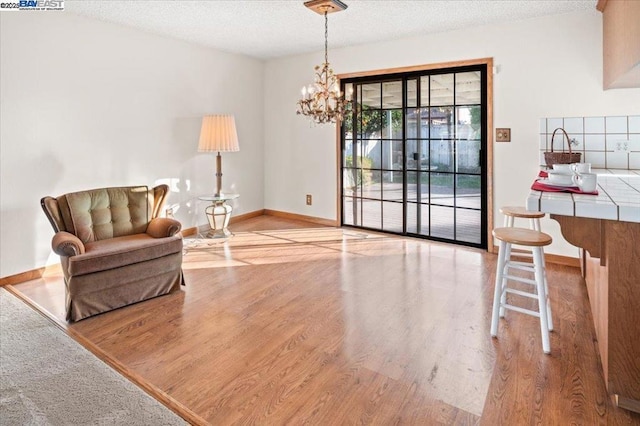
[(516, 212), (535, 240)]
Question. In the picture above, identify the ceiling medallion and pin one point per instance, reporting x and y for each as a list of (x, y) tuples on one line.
[(322, 101)]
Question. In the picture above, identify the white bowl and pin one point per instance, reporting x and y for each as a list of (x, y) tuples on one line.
[(560, 178)]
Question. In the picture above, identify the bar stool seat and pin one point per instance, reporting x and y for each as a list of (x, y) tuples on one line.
[(517, 212), (512, 212), (536, 241), (522, 236)]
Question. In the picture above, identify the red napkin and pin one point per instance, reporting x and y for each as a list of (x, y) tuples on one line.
[(539, 186), (543, 174)]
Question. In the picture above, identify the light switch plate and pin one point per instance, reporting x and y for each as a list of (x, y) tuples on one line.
[(503, 135)]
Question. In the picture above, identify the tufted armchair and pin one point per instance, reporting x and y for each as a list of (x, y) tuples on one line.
[(114, 248)]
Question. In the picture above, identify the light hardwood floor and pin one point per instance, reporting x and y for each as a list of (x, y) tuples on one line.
[(292, 323)]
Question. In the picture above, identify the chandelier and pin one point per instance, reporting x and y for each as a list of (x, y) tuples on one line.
[(322, 101)]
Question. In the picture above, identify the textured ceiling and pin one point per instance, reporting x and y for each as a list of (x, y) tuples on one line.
[(275, 28)]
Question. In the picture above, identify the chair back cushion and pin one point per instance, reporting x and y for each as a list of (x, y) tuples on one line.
[(99, 214)]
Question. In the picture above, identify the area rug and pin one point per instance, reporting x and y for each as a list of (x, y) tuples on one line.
[(47, 378)]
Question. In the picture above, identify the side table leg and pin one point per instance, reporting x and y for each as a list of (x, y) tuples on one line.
[(218, 215)]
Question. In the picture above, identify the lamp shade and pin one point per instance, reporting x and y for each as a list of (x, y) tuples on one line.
[(218, 133)]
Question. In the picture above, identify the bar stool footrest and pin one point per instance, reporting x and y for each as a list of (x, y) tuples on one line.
[(519, 279), (521, 266), (521, 310), (522, 293)]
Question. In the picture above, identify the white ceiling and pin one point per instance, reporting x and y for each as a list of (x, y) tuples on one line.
[(274, 28)]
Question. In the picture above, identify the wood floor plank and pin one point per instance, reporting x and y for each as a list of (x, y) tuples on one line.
[(291, 323)]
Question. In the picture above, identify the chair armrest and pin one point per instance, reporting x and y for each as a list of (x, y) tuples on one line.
[(66, 244), (161, 227)]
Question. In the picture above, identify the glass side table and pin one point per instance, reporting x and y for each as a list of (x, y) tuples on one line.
[(218, 214)]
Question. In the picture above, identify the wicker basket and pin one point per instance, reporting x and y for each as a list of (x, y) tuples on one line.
[(563, 157)]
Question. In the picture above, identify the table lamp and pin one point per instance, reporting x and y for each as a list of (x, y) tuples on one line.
[(218, 134)]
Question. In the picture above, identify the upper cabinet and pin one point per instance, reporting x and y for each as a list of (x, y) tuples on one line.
[(621, 43)]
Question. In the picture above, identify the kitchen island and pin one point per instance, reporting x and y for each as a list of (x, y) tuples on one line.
[(607, 229)]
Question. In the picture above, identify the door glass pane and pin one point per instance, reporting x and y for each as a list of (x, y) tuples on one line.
[(371, 96), (412, 218), (412, 153), (467, 228), (372, 214), (351, 182), (392, 217), (412, 93), (392, 124), (347, 209), (347, 153), (372, 154), (468, 191), (412, 186), (424, 91), (442, 222), (412, 118), (392, 94), (424, 227), (441, 123), (392, 186), (418, 155), (441, 189), (468, 156), (418, 218), (425, 120), (369, 123), (371, 184), (351, 211), (468, 122), (441, 89), (349, 92), (392, 155), (441, 155), (468, 87), (423, 161)]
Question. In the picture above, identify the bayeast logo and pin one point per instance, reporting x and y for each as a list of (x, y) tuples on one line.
[(33, 5), (41, 4)]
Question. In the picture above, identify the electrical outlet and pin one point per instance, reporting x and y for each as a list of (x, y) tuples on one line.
[(621, 145), (503, 135), (309, 199), (169, 212)]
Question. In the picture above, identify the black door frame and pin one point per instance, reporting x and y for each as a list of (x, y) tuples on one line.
[(487, 136)]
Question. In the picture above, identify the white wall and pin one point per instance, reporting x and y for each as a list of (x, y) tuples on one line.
[(88, 104), (548, 67)]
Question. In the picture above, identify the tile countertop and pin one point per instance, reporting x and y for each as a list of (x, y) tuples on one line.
[(618, 198)]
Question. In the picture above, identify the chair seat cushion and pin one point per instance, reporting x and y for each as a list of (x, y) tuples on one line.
[(122, 251)]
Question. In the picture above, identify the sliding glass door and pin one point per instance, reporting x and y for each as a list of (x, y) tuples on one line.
[(413, 158)]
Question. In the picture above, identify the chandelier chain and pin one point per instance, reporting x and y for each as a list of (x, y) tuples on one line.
[(326, 38)]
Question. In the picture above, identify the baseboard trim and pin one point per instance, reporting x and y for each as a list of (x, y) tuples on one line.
[(189, 232), (33, 274), (556, 259), (234, 219), (301, 217), (245, 216), (574, 262)]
